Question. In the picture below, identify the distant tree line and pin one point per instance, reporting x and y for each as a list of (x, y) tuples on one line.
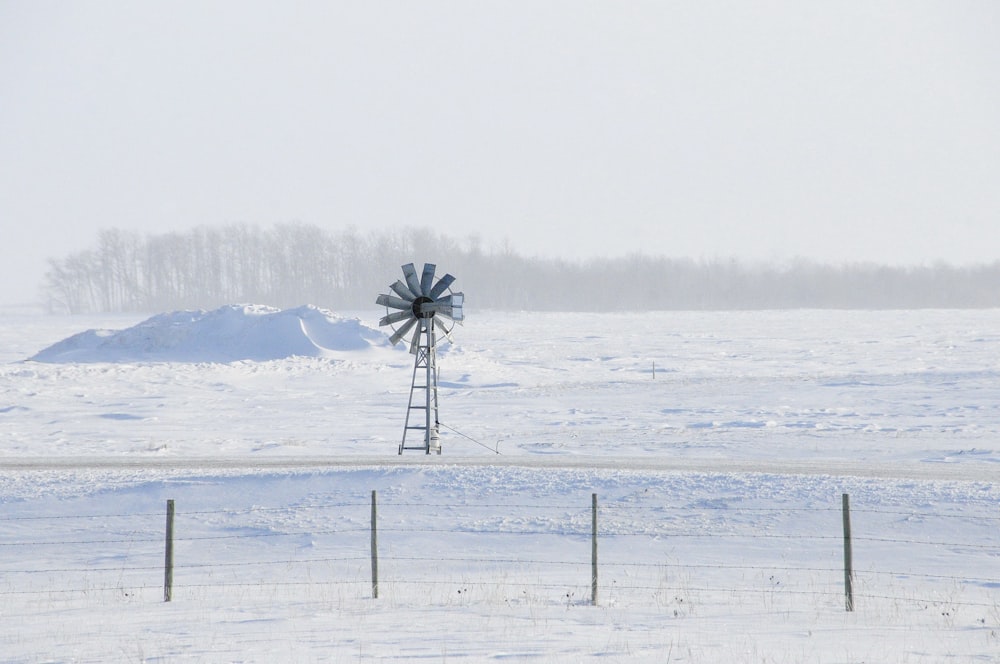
[(291, 264)]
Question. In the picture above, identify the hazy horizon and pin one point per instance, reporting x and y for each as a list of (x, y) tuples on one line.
[(766, 133), (297, 264)]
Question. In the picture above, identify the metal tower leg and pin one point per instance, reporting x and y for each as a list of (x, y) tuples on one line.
[(424, 378)]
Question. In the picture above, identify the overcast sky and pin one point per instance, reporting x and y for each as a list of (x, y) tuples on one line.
[(836, 131)]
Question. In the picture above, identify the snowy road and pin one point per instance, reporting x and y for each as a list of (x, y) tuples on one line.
[(971, 472)]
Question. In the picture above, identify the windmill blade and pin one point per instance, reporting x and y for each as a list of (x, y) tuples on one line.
[(441, 286), (397, 317), (445, 309), (412, 281), (454, 313), (400, 289), (393, 302), (427, 278), (401, 332), (450, 306), (449, 312), (415, 341), (458, 307), (436, 307), (456, 299), (445, 330)]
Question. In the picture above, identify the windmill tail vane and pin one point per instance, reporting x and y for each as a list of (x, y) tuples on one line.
[(423, 306)]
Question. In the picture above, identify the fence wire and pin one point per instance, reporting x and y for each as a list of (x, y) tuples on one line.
[(243, 549)]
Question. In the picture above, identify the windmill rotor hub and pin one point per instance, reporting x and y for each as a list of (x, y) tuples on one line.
[(419, 307)]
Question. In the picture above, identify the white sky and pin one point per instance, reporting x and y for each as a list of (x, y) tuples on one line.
[(836, 131)]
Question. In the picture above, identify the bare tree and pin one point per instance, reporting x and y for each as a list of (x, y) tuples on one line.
[(297, 263)]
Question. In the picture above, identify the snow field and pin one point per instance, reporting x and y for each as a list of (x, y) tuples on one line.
[(485, 563), (719, 484)]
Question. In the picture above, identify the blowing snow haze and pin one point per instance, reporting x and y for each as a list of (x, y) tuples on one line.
[(836, 132)]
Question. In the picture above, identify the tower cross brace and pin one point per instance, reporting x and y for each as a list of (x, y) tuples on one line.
[(422, 410)]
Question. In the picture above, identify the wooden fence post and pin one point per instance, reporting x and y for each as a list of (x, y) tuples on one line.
[(374, 546), (848, 562), (593, 549), (168, 562)]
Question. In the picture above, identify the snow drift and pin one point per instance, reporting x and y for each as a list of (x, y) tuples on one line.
[(229, 333)]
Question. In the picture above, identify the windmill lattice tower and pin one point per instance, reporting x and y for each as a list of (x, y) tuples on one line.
[(425, 307)]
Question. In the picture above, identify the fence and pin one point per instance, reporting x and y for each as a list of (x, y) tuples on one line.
[(669, 557)]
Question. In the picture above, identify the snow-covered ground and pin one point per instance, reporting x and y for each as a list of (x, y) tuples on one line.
[(719, 445)]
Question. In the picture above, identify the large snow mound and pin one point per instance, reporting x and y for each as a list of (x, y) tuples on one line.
[(227, 334)]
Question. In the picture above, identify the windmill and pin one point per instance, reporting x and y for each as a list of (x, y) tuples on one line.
[(423, 306)]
